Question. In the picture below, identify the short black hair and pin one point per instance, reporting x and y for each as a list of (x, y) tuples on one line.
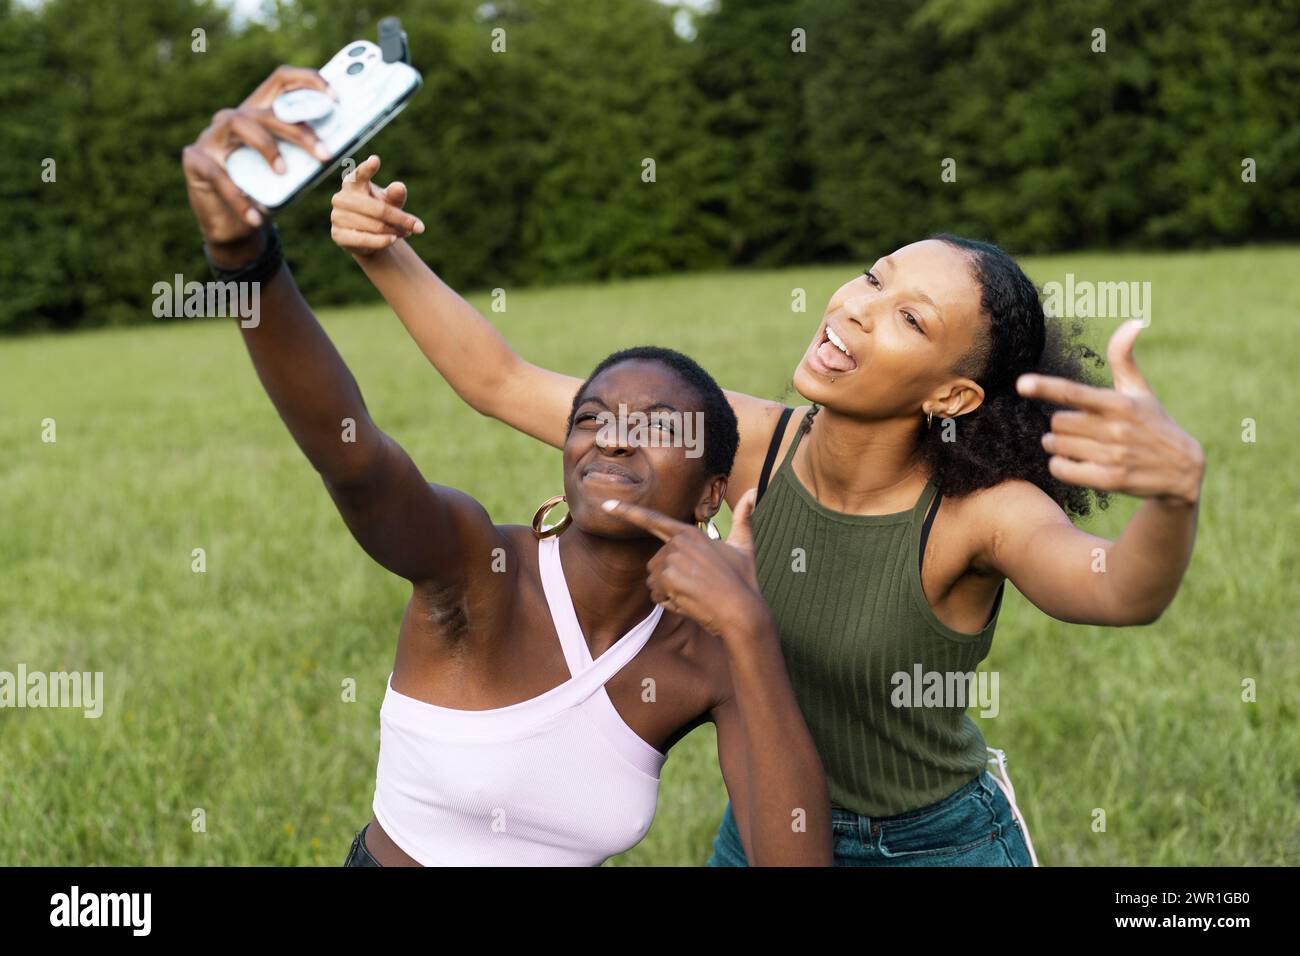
[(721, 433)]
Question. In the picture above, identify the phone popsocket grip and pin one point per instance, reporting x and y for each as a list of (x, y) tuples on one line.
[(373, 84), (302, 106)]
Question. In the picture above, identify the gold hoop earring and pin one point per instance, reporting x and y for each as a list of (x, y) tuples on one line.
[(539, 530), (710, 529), (929, 419)]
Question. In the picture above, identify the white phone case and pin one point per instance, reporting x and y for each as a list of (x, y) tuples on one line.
[(369, 98)]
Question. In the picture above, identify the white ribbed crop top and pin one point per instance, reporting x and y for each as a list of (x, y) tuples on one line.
[(557, 780)]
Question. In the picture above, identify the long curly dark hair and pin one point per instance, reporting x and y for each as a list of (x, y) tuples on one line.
[(1002, 439)]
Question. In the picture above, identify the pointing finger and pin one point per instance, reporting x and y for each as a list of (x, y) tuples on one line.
[(376, 208), (1067, 392), (350, 220), (660, 525), (396, 194)]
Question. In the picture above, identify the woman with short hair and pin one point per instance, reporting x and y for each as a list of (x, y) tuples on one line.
[(542, 674)]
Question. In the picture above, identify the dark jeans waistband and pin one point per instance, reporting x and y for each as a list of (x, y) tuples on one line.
[(841, 814)]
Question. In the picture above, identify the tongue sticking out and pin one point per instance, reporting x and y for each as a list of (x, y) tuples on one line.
[(834, 359)]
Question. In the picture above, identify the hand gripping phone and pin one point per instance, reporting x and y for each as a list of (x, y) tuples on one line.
[(373, 84)]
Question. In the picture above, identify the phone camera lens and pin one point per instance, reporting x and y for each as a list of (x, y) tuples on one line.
[(356, 51), (356, 68)]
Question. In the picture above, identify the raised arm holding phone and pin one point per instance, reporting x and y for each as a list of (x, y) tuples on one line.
[(540, 677)]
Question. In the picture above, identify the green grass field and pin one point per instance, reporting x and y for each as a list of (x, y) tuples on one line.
[(223, 689)]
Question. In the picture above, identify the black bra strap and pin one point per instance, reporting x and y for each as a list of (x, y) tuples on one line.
[(925, 534), (925, 527), (771, 452)]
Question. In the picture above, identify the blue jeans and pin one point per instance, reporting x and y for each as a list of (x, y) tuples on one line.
[(972, 826)]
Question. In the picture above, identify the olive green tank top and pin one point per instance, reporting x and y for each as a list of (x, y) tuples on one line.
[(878, 677)]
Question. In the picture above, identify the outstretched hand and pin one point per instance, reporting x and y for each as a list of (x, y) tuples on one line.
[(1121, 438), (714, 583), (367, 218)]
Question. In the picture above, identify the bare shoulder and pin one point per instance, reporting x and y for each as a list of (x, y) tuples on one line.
[(1006, 500), (470, 520), (699, 663), (705, 654), (757, 425), (749, 408), (518, 547), (1002, 513), (491, 556)]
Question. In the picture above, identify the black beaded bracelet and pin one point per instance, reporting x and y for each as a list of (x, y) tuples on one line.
[(264, 267)]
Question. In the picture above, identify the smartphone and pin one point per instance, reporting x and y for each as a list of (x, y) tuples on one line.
[(371, 90)]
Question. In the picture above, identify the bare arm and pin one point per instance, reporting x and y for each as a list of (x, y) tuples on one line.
[(1082, 578), (466, 349), (407, 526), (412, 529), (768, 759), (1118, 439)]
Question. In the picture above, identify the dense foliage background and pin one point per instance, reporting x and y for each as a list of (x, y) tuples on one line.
[(527, 164)]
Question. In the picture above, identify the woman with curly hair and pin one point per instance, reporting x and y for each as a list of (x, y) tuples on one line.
[(951, 435)]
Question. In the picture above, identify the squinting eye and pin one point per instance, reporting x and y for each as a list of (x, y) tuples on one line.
[(871, 277), (915, 324)]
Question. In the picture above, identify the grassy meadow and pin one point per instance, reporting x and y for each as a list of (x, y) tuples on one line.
[(223, 689)]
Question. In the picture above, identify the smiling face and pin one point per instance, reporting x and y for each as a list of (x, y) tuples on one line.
[(894, 341), (651, 467)]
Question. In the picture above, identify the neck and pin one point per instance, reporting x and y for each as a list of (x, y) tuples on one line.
[(607, 583), (836, 450)]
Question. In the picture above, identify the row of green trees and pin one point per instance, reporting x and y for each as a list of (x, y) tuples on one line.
[(781, 132)]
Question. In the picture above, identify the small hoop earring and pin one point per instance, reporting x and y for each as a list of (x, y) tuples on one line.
[(929, 419), (710, 529), (539, 530)]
